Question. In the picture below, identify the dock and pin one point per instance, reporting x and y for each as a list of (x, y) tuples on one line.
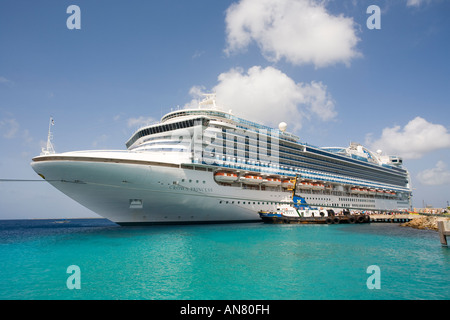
[(277, 219), (391, 218), (337, 219), (444, 231)]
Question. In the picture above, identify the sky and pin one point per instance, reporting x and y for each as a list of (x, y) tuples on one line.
[(335, 71)]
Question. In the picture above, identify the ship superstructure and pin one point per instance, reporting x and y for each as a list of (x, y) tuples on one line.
[(206, 165)]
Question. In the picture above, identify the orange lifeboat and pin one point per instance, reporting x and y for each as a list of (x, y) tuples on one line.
[(356, 190), (318, 186), (272, 182), (288, 184), (225, 177), (306, 185), (249, 179)]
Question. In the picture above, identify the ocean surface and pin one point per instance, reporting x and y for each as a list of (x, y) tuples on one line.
[(96, 259)]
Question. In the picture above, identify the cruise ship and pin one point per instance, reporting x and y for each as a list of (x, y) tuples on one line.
[(206, 165)]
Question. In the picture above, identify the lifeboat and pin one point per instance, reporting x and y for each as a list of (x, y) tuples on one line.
[(288, 184), (318, 186), (225, 177), (272, 182), (306, 185), (372, 191), (356, 190), (249, 179)]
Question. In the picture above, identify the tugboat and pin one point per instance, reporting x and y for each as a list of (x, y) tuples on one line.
[(297, 211)]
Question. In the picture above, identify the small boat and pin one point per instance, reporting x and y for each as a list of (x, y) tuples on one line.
[(249, 179), (318, 186), (297, 211), (272, 182), (306, 185), (225, 177), (356, 190), (287, 184), (62, 221)]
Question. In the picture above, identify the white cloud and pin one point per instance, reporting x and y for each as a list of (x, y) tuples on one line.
[(300, 31), (5, 81), (417, 138), (100, 140), (438, 175), (415, 3), (9, 128), (196, 92), (139, 122), (198, 54), (270, 96)]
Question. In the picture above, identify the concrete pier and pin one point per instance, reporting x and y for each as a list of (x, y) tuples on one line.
[(399, 218), (444, 231)]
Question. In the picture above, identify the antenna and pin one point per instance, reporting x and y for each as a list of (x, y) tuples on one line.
[(210, 98), (49, 149)]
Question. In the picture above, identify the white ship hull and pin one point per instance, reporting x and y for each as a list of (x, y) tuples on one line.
[(129, 189)]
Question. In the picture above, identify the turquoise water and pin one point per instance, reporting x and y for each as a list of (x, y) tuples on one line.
[(236, 261)]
